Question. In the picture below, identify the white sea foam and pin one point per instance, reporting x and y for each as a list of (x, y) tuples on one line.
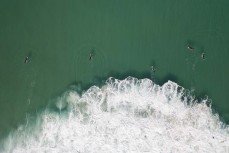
[(124, 116)]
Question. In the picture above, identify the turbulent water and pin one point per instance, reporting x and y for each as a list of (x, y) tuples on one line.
[(123, 116)]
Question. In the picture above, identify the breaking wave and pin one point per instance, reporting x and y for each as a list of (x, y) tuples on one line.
[(123, 116)]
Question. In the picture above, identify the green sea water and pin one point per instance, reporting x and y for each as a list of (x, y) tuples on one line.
[(126, 37)]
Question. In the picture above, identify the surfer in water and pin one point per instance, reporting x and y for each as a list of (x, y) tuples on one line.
[(90, 56), (203, 56), (26, 59), (153, 68), (190, 48)]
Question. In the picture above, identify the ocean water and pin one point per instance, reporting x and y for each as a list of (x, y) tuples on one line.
[(127, 38), (131, 115)]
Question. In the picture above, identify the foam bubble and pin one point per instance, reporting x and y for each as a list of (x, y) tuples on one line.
[(128, 115)]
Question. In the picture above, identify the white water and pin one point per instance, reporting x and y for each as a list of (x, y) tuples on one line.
[(124, 116)]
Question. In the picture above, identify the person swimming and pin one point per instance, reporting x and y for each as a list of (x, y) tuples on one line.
[(190, 48), (203, 56), (153, 68), (90, 56), (26, 59)]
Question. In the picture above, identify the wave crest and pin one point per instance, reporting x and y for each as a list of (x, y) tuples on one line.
[(130, 115)]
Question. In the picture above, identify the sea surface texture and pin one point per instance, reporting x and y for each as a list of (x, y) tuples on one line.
[(57, 57)]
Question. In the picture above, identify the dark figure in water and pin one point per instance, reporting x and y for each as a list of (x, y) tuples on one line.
[(190, 48), (26, 59), (90, 56), (153, 68), (203, 56)]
